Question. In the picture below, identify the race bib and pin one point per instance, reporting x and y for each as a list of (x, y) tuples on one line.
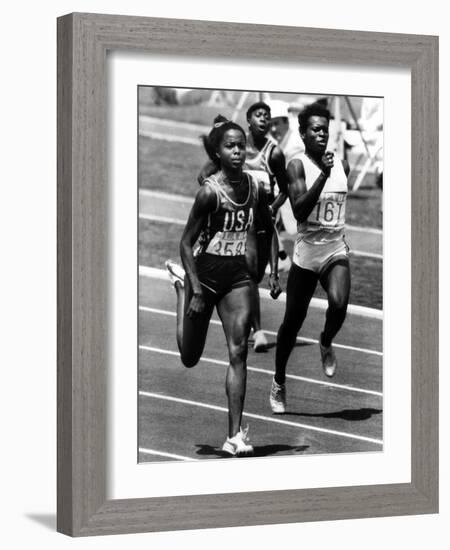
[(228, 243), (329, 211)]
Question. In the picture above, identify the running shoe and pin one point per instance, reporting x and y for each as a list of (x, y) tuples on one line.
[(176, 272), (329, 362), (238, 445), (260, 341), (278, 397)]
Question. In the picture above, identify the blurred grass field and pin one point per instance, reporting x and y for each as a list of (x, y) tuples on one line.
[(172, 167)]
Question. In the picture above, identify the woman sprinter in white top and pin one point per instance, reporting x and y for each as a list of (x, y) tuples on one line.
[(317, 187)]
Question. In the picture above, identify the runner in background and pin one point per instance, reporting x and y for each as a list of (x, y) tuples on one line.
[(291, 144), (288, 139), (317, 191), (217, 273)]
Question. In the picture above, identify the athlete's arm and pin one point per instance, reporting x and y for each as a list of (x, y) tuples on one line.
[(280, 199), (274, 282), (277, 164), (266, 228), (208, 169), (302, 199), (262, 212), (205, 203)]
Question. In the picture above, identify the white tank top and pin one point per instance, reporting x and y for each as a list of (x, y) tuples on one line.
[(327, 219), (257, 164)]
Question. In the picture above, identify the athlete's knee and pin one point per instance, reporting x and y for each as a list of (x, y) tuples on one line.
[(337, 302), (238, 353)]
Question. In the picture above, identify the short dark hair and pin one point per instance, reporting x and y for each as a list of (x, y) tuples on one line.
[(212, 141), (255, 106), (314, 109)]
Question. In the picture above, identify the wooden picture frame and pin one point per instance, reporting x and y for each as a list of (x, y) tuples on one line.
[(83, 41)]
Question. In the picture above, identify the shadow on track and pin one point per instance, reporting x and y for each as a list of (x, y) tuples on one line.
[(259, 451), (352, 415), (272, 345)]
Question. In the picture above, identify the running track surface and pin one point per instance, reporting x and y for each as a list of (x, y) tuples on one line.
[(183, 412)]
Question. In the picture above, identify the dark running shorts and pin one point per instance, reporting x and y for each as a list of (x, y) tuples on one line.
[(221, 274)]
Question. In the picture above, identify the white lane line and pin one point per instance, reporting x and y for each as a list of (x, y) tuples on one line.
[(372, 230), (165, 455), (162, 219), (263, 418), (166, 196), (271, 332), (146, 119), (319, 303), (265, 371), (360, 253), (169, 137)]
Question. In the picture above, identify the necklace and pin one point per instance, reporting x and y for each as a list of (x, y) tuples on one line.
[(236, 190), (225, 179)]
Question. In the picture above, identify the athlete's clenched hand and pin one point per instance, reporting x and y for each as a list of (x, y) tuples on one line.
[(327, 162), (196, 305), (275, 287)]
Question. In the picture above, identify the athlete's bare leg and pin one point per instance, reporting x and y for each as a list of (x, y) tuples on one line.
[(257, 256), (300, 288), (191, 331), (256, 309), (336, 283), (235, 313), (251, 257)]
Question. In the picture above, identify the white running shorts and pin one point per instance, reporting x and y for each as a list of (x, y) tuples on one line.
[(317, 257)]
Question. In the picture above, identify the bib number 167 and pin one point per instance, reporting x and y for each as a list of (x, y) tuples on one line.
[(329, 212)]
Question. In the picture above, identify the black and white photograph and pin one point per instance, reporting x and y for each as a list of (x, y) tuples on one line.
[(260, 323)]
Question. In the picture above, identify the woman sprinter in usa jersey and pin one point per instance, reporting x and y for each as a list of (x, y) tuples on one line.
[(216, 273), (266, 164), (317, 187)]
